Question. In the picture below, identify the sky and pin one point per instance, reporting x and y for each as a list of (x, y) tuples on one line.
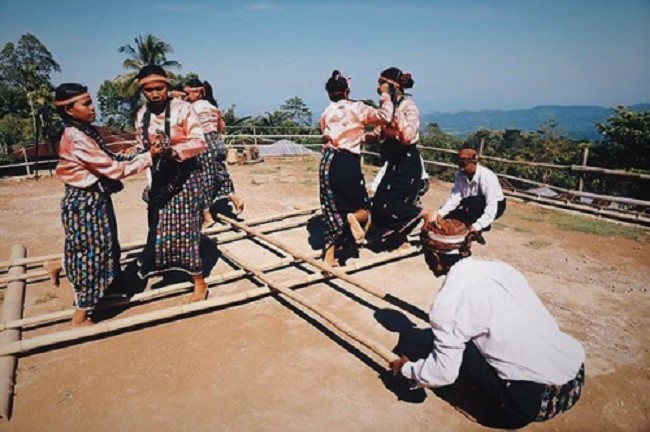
[(463, 54)]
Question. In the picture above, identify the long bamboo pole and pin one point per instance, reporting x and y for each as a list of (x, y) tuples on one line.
[(39, 342), (12, 309), (301, 256), (225, 238), (343, 327), (136, 245), (148, 295)]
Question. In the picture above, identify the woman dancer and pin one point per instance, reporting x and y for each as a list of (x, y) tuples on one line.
[(218, 184), (343, 195), (395, 205), (175, 197), (91, 173)]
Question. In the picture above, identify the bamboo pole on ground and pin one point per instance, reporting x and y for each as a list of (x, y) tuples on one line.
[(148, 295), (12, 309), (136, 245), (226, 238), (39, 342), (301, 256), (344, 328)]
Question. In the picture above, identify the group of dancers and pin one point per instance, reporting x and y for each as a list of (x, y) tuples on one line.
[(492, 336), (179, 143), (491, 333)]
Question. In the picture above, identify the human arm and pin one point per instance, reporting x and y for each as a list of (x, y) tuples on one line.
[(93, 159), (407, 121), (493, 193), (376, 116), (194, 142), (454, 198)]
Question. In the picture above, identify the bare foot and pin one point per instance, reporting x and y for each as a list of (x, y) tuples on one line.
[(208, 220), (237, 203), (54, 269), (80, 319), (201, 292), (84, 323), (355, 227)]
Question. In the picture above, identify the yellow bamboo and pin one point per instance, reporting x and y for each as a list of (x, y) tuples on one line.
[(301, 256), (38, 342), (225, 238), (136, 245)]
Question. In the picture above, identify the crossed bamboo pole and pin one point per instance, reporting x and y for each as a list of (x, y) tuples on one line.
[(106, 327), (225, 238), (137, 245), (286, 292)]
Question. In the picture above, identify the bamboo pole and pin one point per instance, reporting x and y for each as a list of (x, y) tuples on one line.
[(226, 238), (131, 246), (12, 309), (633, 218), (301, 256), (148, 295), (344, 328), (585, 156), (612, 172), (99, 329)]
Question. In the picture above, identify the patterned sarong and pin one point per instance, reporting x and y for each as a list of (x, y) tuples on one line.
[(559, 398), (342, 191), (175, 232), (91, 250)]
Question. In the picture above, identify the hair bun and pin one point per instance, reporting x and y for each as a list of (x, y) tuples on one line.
[(406, 80), (336, 74)]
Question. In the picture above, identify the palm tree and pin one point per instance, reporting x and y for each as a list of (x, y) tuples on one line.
[(148, 50)]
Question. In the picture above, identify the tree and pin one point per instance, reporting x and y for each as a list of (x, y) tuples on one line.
[(626, 139), (296, 111), (119, 98), (25, 87)]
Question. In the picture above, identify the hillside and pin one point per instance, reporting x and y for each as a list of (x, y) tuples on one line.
[(577, 122)]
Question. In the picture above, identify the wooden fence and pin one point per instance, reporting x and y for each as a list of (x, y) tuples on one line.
[(620, 208)]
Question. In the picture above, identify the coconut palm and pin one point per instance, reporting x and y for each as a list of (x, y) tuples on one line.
[(147, 50)]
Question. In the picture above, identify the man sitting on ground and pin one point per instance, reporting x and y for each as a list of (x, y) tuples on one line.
[(476, 198), (492, 332)]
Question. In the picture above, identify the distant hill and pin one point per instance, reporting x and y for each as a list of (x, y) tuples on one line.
[(577, 122)]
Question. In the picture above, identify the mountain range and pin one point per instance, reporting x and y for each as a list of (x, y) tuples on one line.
[(574, 121)]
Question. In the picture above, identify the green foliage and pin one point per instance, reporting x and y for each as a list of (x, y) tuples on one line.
[(117, 108), (626, 138), (26, 92), (294, 110), (119, 99)]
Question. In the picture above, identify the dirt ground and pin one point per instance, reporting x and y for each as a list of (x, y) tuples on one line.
[(265, 365)]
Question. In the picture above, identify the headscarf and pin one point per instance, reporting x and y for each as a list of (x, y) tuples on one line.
[(446, 236)]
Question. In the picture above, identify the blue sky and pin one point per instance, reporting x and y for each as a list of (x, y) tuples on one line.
[(464, 54)]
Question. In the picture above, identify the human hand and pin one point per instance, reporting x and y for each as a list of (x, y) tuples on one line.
[(156, 150), (396, 365), (382, 88)]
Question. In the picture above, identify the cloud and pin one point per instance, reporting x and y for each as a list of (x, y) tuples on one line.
[(178, 8), (260, 7)]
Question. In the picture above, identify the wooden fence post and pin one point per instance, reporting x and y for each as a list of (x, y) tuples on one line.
[(254, 135), (29, 172), (585, 156), (480, 147)]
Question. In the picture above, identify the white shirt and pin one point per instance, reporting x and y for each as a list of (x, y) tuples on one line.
[(485, 183), (492, 304)]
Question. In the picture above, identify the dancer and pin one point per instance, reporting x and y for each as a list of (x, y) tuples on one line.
[(91, 173), (218, 184), (395, 205), (175, 196), (343, 195), (476, 197), (491, 332)]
